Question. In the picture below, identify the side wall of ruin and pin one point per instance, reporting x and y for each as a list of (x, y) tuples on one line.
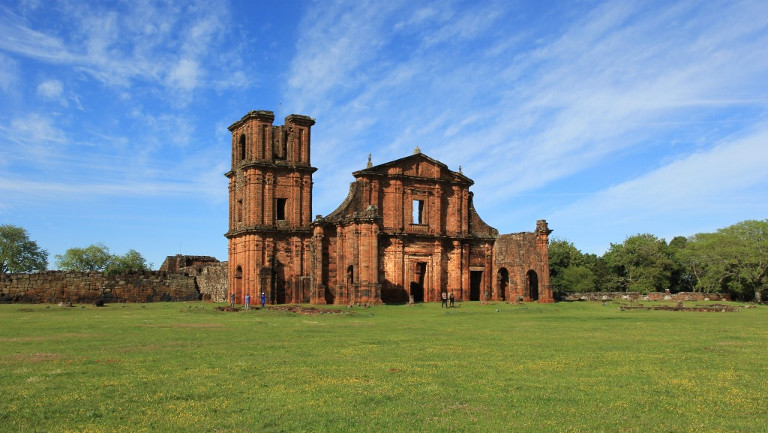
[(87, 287), (212, 282), (524, 257)]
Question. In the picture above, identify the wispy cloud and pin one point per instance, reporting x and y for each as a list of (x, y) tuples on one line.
[(532, 107), (717, 184), (157, 42)]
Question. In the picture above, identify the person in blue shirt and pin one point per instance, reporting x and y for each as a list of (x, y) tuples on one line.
[(248, 301), (263, 299)]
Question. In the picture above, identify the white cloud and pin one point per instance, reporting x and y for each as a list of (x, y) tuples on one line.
[(8, 73), (725, 183), (184, 75), (148, 41), (50, 89), (532, 107)]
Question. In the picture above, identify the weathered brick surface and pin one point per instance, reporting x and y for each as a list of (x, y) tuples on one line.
[(212, 282), (407, 229), (210, 274), (87, 287)]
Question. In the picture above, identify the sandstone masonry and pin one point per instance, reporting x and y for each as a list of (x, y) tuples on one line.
[(88, 287), (407, 231)]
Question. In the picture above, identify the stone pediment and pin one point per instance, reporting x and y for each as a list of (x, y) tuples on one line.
[(417, 165)]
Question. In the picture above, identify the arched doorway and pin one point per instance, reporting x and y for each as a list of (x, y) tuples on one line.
[(238, 288), (533, 285), (502, 283), (351, 283)]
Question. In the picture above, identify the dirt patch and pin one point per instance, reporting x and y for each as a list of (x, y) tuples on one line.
[(228, 309), (36, 357), (307, 311)]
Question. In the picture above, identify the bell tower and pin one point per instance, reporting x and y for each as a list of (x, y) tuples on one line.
[(270, 207)]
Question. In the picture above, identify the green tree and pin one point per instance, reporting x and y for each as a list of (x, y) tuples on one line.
[(734, 259), (569, 269), (95, 257), (131, 261), (750, 257), (578, 279), (681, 280), (599, 269), (18, 253), (643, 263)]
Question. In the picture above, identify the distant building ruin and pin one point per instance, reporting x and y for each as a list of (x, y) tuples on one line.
[(407, 230)]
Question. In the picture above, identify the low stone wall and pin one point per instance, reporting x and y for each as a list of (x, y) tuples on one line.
[(87, 287), (654, 296)]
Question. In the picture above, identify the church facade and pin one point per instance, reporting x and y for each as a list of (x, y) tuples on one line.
[(406, 232)]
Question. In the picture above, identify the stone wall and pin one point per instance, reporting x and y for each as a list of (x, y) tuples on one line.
[(178, 262), (210, 274), (87, 287), (212, 282), (654, 296)]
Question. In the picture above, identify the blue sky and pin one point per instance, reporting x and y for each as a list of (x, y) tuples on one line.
[(607, 119)]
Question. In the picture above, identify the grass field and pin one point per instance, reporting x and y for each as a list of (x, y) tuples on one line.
[(566, 367)]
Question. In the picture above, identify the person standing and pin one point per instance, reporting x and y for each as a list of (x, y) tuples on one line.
[(444, 297), (232, 300), (450, 298), (248, 301), (263, 299)]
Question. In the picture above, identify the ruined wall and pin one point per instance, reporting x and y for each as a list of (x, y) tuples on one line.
[(87, 287), (212, 282), (654, 296), (179, 261), (525, 257)]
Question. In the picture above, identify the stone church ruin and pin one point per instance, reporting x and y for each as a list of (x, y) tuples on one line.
[(407, 230)]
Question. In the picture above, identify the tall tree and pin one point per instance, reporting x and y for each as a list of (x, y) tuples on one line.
[(569, 269), (643, 263), (734, 259), (750, 255), (95, 257), (18, 253)]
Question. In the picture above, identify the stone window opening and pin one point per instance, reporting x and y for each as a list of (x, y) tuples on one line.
[(281, 147), (502, 283), (241, 147), (280, 209), (418, 212), (240, 210)]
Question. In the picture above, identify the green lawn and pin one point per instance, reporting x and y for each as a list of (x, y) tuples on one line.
[(570, 367)]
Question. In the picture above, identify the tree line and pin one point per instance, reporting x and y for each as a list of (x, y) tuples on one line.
[(732, 260), (19, 254)]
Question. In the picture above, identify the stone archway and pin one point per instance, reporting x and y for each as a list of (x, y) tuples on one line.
[(502, 284), (238, 289), (532, 285)]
